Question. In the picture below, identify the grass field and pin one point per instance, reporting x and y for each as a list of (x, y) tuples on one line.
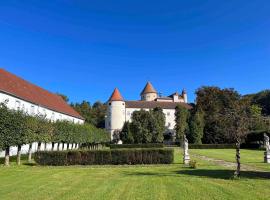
[(173, 181)]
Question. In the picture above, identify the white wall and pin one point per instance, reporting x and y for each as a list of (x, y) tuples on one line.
[(33, 109)]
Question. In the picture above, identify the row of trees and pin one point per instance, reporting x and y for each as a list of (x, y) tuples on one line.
[(17, 129), (146, 127)]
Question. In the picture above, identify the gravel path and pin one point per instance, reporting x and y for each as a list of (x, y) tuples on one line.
[(227, 164)]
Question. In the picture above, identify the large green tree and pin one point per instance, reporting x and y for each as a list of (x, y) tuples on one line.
[(126, 135), (196, 126), (181, 122), (157, 125), (93, 114), (213, 101)]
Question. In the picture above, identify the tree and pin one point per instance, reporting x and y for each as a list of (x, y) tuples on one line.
[(7, 130), (157, 125), (44, 131), (93, 114), (213, 101), (181, 122), (140, 127), (261, 99), (19, 131), (126, 135), (196, 126), (237, 123), (31, 136)]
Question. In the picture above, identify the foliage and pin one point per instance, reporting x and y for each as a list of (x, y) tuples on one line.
[(102, 157), (261, 99), (157, 124), (196, 127), (146, 127), (126, 135), (193, 164), (181, 122), (94, 115), (213, 102)]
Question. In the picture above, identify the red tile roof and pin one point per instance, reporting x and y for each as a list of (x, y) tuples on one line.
[(154, 104), (148, 89), (15, 86), (116, 96)]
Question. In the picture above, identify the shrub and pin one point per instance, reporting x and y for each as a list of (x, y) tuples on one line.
[(103, 157), (211, 146), (149, 145), (57, 158), (193, 164)]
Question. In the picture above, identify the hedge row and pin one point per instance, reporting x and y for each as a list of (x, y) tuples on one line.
[(126, 146), (211, 146), (105, 157)]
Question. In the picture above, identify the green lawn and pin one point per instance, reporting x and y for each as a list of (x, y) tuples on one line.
[(248, 157), (131, 182)]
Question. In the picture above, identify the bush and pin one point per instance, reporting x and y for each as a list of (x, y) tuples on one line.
[(211, 146), (193, 164), (104, 157), (56, 158), (124, 146)]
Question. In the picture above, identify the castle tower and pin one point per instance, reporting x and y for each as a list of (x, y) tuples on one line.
[(115, 118), (149, 93), (184, 95)]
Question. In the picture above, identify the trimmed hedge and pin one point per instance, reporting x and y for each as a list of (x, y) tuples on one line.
[(211, 146), (105, 157), (127, 146)]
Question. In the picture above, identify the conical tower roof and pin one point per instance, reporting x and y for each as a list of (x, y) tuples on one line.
[(116, 96), (148, 89)]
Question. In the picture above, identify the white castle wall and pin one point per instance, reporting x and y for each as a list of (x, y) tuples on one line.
[(33, 109), (115, 116)]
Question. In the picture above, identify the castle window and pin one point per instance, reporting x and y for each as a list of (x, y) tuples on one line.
[(168, 113), (169, 124)]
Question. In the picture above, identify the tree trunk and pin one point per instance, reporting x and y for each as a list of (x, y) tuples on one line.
[(52, 146), (67, 146), (19, 153), (63, 146), (45, 146), (39, 146), (58, 146), (7, 156), (30, 153), (237, 157)]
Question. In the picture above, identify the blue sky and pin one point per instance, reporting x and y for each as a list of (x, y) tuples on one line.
[(86, 48)]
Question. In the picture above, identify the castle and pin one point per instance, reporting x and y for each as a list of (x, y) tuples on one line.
[(119, 110)]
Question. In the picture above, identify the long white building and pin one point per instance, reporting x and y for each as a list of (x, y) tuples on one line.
[(119, 110), (20, 94)]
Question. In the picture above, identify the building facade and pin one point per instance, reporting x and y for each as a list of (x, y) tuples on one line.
[(119, 110), (19, 94)]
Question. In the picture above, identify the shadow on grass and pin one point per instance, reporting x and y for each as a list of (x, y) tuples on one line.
[(225, 174)]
